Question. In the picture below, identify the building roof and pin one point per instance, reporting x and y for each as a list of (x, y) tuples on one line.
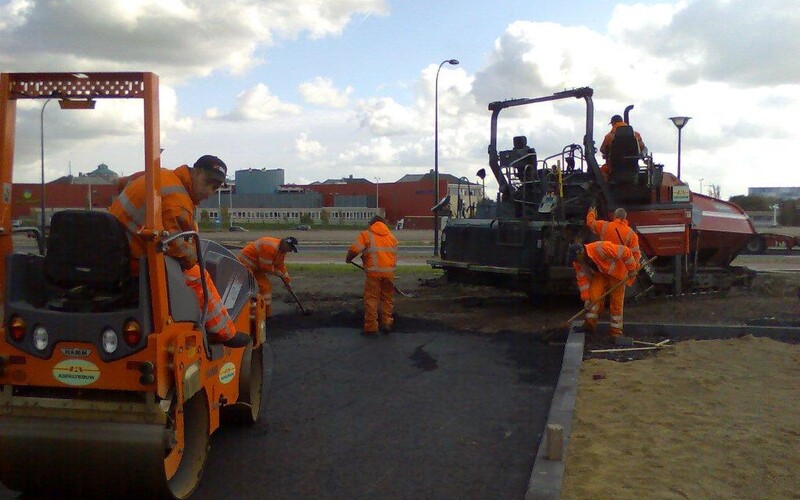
[(103, 170), (345, 180), (451, 179)]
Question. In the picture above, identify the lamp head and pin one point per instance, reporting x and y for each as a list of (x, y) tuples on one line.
[(680, 121), (481, 173), (453, 61)]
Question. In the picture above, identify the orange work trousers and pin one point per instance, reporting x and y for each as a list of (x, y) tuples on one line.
[(265, 289), (599, 285), (378, 290), (218, 322)]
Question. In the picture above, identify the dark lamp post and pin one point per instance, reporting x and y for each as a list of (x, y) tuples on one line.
[(436, 157), (680, 122)]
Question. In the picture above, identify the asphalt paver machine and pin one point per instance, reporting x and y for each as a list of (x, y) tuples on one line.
[(109, 386)]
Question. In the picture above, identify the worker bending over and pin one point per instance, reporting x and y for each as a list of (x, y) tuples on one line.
[(616, 231), (601, 266), (267, 256), (378, 248), (181, 190)]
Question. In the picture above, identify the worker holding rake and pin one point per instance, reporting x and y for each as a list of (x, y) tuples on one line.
[(599, 267), (378, 248), (266, 256)]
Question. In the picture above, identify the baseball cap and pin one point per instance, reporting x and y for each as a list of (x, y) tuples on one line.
[(214, 166), (615, 119), (292, 242), (572, 252)]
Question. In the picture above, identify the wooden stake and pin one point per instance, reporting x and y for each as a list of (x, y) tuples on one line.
[(555, 442), (623, 349)]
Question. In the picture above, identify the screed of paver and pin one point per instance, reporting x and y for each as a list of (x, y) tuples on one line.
[(704, 419)]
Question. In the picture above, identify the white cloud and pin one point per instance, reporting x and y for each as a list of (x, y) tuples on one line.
[(177, 39), (257, 104), (321, 91), (383, 117), (307, 149)]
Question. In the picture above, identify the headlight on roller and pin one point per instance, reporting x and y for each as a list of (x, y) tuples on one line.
[(40, 338), (110, 340)]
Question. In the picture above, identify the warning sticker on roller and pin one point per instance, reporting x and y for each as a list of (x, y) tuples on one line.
[(76, 372), (227, 372)]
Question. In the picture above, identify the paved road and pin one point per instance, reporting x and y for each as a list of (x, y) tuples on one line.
[(412, 415), (421, 414)]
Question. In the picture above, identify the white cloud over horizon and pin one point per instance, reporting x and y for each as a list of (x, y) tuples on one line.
[(725, 63)]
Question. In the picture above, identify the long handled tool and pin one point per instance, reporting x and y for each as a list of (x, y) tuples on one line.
[(404, 294), (289, 287), (592, 303)]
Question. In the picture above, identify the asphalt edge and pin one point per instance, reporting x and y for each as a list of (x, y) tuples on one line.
[(547, 475)]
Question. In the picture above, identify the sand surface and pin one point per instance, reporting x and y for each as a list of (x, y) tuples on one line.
[(704, 419)]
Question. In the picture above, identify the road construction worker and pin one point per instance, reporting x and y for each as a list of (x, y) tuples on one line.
[(378, 248), (181, 190), (600, 266), (266, 256), (605, 148), (616, 231)]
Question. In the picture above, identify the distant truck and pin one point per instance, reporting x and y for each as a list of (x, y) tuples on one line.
[(761, 242)]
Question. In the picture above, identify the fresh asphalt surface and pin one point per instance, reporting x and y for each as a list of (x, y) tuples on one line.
[(410, 415), (422, 413)]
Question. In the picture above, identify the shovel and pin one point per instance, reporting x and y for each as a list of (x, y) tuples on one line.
[(404, 294), (289, 287), (566, 324)]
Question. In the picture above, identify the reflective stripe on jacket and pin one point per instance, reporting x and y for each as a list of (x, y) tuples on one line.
[(177, 213), (263, 255), (613, 230), (218, 321), (611, 258), (378, 248)]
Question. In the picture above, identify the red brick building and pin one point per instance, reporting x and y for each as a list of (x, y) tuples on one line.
[(26, 199)]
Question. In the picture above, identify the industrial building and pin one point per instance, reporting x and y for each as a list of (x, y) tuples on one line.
[(261, 195)]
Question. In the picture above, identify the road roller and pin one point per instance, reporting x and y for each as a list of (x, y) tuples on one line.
[(109, 385)]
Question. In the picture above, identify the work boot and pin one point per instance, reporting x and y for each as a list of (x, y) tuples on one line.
[(369, 333), (238, 340), (623, 341), (387, 329)]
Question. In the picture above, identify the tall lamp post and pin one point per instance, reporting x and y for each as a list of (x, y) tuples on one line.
[(680, 122), (377, 188), (436, 156)]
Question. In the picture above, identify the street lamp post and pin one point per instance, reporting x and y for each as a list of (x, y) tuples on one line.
[(680, 122), (377, 189), (436, 156)]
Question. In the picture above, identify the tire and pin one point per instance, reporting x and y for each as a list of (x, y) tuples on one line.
[(196, 444), (756, 245), (254, 383)]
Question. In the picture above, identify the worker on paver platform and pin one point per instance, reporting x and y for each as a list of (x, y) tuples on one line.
[(181, 190), (378, 248), (605, 148), (266, 256), (599, 267), (616, 231)]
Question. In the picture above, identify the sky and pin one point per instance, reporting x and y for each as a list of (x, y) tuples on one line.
[(331, 88)]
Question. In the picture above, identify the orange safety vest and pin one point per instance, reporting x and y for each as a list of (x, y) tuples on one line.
[(177, 214), (263, 255), (616, 231), (611, 259), (379, 247), (610, 137)]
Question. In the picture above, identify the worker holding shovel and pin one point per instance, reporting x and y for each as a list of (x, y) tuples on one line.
[(266, 256), (602, 267), (378, 248)]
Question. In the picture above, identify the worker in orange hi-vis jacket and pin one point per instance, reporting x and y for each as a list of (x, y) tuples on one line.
[(599, 266), (181, 190), (616, 231), (378, 248), (266, 256), (605, 147)]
